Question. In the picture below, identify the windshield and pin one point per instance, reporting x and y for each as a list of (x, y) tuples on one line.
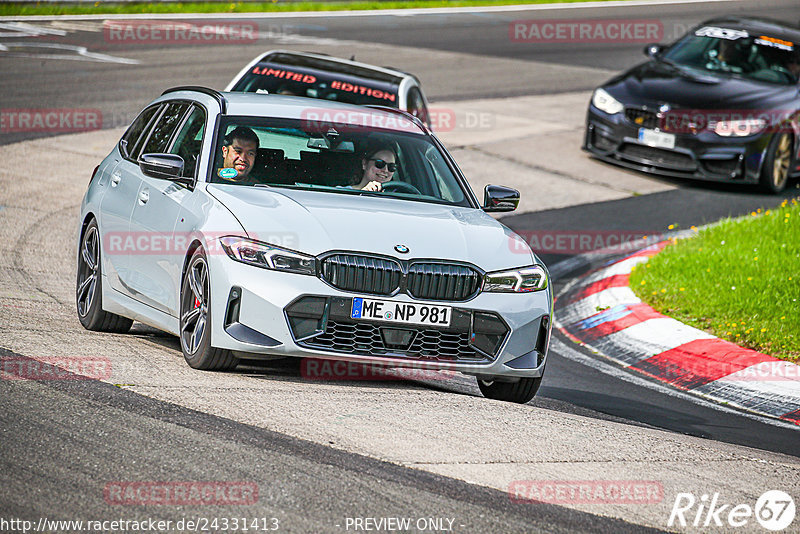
[(337, 158), (278, 79), (739, 53)]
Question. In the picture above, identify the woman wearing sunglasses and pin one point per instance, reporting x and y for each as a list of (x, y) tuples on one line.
[(379, 166)]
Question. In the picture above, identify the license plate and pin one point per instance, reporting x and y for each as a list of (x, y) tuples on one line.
[(400, 312), (656, 139)]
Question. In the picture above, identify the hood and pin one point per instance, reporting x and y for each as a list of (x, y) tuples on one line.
[(656, 82), (314, 222)]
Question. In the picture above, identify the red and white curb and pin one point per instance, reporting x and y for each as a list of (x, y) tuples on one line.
[(600, 311)]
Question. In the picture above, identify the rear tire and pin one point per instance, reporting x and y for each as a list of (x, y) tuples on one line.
[(777, 163), (520, 391), (195, 320), (88, 287)]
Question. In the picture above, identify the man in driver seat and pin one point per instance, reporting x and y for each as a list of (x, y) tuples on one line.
[(239, 151)]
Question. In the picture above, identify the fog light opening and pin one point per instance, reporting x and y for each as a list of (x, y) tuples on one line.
[(234, 304), (307, 317), (488, 333)]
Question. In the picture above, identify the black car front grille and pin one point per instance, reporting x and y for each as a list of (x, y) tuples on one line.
[(326, 324), (382, 276), (364, 274), (658, 157), (366, 338), (437, 281), (642, 117)]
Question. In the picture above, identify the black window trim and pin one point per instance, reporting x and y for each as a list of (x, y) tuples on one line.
[(184, 120), (165, 105), (146, 133), (124, 149)]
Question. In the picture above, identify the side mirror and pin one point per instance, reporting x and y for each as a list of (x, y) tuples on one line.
[(653, 49), (498, 198), (165, 166)]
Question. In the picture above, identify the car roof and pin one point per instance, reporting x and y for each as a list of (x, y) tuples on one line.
[(333, 64), (769, 27)]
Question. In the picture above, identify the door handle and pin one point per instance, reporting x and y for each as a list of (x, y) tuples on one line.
[(115, 178), (144, 196)]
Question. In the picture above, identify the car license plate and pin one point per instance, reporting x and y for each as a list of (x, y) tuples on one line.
[(400, 312), (656, 139)]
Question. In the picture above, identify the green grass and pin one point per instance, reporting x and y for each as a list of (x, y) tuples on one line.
[(738, 280), (108, 8)]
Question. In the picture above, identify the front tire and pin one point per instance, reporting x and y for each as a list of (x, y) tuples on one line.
[(777, 163), (521, 391), (195, 319), (88, 287)]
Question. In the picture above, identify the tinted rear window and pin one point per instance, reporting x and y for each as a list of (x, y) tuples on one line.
[(280, 79), (332, 67)]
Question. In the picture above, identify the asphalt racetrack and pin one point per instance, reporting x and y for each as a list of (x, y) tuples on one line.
[(323, 454)]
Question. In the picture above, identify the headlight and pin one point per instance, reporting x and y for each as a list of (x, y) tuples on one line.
[(738, 128), (268, 256), (605, 102), (523, 280)]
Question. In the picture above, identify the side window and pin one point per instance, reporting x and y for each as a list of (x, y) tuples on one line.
[(139, 125), (189, 140), (164, 128), (416, 105)]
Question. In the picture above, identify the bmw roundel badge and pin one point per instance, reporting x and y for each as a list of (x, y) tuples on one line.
[(402, 249)]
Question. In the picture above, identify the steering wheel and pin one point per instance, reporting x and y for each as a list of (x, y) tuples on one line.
[(400, 187)]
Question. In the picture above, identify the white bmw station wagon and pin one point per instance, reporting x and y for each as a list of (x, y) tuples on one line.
[(261, 226)]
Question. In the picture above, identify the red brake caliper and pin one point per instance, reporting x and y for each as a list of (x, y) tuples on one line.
[(196, 302)]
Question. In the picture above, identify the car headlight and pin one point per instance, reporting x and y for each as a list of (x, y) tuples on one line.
[(268, 256), (738, 128), (605, 102), (525, 280)]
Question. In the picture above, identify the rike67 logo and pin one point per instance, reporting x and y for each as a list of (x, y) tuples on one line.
[(774, 510)]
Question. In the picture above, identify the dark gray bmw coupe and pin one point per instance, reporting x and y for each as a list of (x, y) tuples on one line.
[(721, 104)]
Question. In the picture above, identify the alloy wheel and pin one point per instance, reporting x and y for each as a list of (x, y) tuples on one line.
[(780, 163), (88, 269), (194, 309)]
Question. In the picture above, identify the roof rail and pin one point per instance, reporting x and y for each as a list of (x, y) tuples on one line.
[(405, 114), (213, 93)]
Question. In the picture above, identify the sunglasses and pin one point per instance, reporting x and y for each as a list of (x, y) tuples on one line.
[(380, 164)]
